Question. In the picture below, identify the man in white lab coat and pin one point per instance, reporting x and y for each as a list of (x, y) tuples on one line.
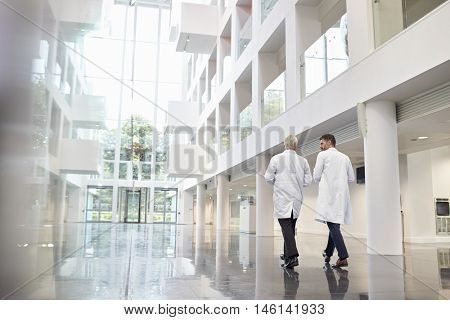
[(289, 173), (333, 171)]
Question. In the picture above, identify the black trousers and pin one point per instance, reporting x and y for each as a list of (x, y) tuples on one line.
[(335, 240), (288, 229)]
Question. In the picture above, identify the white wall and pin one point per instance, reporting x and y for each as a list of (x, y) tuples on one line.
[(428, 178), (440, 158)]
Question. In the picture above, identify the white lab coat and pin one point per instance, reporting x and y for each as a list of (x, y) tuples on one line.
[(289, 173), (334, 171)]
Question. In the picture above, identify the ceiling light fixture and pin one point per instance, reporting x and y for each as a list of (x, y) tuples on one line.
[(422, 138), (245, 185)]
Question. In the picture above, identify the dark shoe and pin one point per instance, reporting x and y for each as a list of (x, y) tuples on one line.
[(327, 258), (326, 267), (290, 263), (282, 256), (340, 263)]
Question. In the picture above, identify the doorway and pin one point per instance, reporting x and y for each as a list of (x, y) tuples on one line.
[(165, 206), (133, 205), (99, 204)]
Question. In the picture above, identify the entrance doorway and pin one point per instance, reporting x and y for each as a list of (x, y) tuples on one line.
[(165, 207), (133, 204), (99, 204)]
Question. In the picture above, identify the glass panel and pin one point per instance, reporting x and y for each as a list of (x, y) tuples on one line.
[(171, 200), (225, 138), (93, 205), (108, 170), (124, 170), (55, 121), (170, 217), (99, 204), (245, 122), (159, 201), (266, 7), (146, 171), (326, 58), (133, 206), (245, 35), (105, 195), (274, 99)]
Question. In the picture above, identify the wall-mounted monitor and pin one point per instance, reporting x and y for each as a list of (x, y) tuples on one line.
[(442, 207), (360, 175)]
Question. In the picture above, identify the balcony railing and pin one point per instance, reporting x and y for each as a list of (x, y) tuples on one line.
[(274, 99), (245, 36), (266, 7), (245, 121), (326, 58)]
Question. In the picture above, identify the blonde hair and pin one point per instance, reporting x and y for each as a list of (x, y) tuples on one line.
[(291, 142)]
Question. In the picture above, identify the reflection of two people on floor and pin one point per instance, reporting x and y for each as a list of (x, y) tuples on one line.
[(338, 287), (290, 173)]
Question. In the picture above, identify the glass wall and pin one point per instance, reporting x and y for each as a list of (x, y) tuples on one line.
[(131, 49), (326, 58), (165, 206), (99, 204)]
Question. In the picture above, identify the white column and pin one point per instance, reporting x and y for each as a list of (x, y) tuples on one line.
[(187, 200), (360, 29), (234, 117), (264, 202), (382, 180), (223, 204), (256, 93), (292, 60), (200, 209)]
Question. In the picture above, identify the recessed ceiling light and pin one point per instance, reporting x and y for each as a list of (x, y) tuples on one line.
[(419, 138), (231, 189), (245, 185)]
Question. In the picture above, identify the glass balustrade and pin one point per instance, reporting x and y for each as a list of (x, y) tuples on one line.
[(326, 58), (266, 7), (245, 121), (274, 99)]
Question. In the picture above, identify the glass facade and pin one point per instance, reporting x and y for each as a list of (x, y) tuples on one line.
[(109, 83)]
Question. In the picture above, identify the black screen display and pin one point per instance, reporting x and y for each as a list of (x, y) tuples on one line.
[(442, 208)]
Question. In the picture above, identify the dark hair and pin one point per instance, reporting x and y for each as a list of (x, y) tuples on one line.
[(329, 137)]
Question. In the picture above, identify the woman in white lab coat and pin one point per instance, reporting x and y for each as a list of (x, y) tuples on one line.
[(333, 171), (289, 173)]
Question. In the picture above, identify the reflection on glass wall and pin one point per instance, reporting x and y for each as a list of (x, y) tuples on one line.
[(274, 99), (392, 16), (326, 58)]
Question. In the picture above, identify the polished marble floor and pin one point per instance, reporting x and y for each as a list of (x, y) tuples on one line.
[(157, 261)]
